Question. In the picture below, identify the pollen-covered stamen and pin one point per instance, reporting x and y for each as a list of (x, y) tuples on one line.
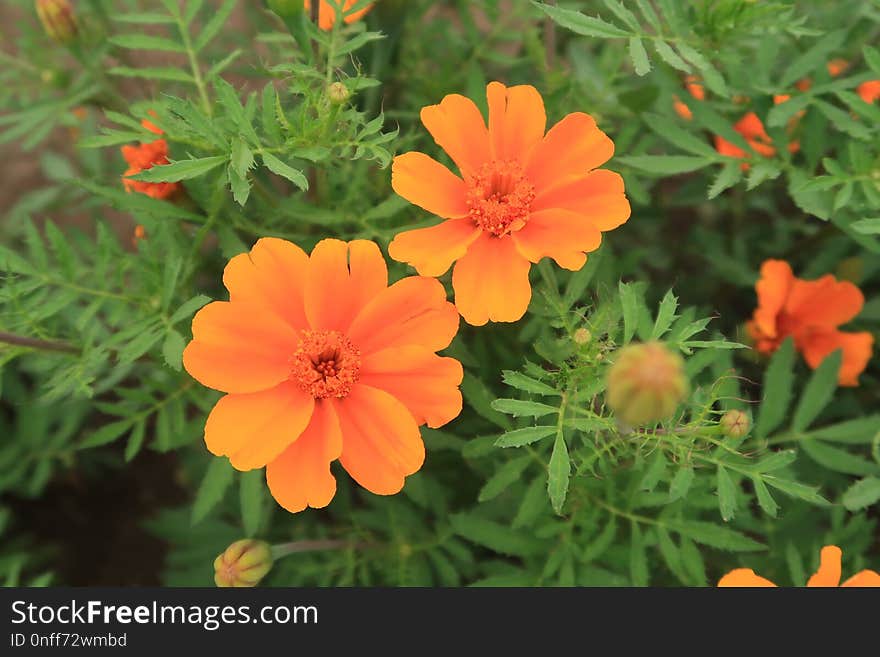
[(500, 197), (325, 364)]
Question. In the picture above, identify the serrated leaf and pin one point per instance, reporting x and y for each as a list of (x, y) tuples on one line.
[(666, 165), (681, 483), (638, 559), (239, 184), (180, 170), (862, 494), (581, 24), (729, 175), (796, 489), (493, 535), (503, 478), (726, 494), (813, 58), (836, 459), (172, 350), (523, 408), (776, 461), (559, 472), (597, 547), (765, 499), (135, 440), (524, 436), (215, 24), (145, 42), (654, 472), (671, 57), (217, 479), (630, 304), (715, 536), (777, 389), (665, 315), (525, 383), (639, 57), (278, 167), (819, 391), (153, 73), (106, 434), (241, 158)]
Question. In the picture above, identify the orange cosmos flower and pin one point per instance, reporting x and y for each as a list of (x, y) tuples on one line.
[(827, 575), (696, 90), (810, 312), (145, 156), (327, 14), (323, 360), (522, 195), (869, 91)]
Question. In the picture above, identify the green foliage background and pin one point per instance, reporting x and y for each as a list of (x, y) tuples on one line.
[(535, 483)]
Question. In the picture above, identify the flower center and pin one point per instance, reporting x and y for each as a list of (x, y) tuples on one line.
[(325, 364), (499, 197)]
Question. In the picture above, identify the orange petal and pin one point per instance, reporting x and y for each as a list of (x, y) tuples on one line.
[(560, 234), (459, 129), (829, 567), (239, 347), (773, 288), (824, 302), (572, 147), (598, 196), (517, 120), (422, 180), (744, 577), (491, 281), (432, 250), (381, 444), (817, 344), (253, 429), (369, 273), (864, 579), (271, 275), (869, 91), (427, 384), (413, 311), (327, 13), (300, 476)]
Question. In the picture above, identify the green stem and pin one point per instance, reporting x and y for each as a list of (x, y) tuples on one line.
[(194, 65)]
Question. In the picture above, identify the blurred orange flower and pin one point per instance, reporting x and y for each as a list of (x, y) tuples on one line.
[(145, 156), (827, 575), (810, 312), (869, 91), (323, 360), (523, 195), (327, 14), (696, 90), (752, 130)]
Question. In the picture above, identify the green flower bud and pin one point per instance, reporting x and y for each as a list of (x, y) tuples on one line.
[(735, 424), (58, 19), (646, 383), (582, 336), (338, 93), (244, 563)]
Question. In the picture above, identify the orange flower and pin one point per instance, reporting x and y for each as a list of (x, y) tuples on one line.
[(327, 15), (145, 156), (523, 195), (810, 312), (827, 575), (752, 130), (869, 91), (836, 67), (323, 360), (696, 90)]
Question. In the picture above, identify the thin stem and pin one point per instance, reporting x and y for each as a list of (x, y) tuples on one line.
[(194, 65), (34, 343), (550, 38)]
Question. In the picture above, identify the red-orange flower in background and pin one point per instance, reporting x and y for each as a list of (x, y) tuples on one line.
[(828, 574), (145, 156), (323, 360), (522, 195), (810, 312), (696, 90), (869, 91), (752, 130), (327, 14)]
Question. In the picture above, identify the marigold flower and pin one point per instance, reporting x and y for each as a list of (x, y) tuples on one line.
[(243, 564), (327, 14), (696, 90), (646, 383), (828, 574), (145, 156), (752, 130), (810, 312), (522, 196), (869, 91), (58, 19), (323, 360)]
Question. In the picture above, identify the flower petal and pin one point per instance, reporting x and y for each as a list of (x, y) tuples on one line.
[(517, 120), (301, 476), (381, 444), (239, 347), (432, 250), (571, 148), (598, 196), (422, 180), (817, 344), (824, 302), (773, 288), (412, 311), (369, 273), (744, 577), (491, 281), (272, 275), (253, 429), (829, 567), (560, 234), (427, 384), (864, 579), (459, 129)]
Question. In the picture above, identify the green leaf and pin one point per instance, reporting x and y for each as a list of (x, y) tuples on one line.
[(765, 499), (242, 158), (172, 349), (639, 57), (153, 73), (559, 472), (135, 440), (671, 57), (480, 399), (186, 309), (777, 389), (504, 477), (776, 461), (638, 559), (106, 434), (715, 536), (521, 408), (665, 315), (796, 489), (867, 226), (862, 494), (145, 42), (729, 175), (215, 24), (217, 479), (812, 59), (681, 483), (239, 184), (180, 170), (726, 494), (597, 547), (278, 167), (493, 535), (677, 136), (858, 431), (872, 57), (624, 14), (524, 436), (666, 165), (630, 305), (581, 24), (819, 391), (654, 472), (839, 460), (525, 383), (252, 496)]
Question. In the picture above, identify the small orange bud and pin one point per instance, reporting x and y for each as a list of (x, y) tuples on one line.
[(58, 19), (244, 563), (645, 383), (582, 336), (338, 93), (735, 424)]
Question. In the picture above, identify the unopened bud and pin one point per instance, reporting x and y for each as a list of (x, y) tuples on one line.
[(58, 19), (646, 383), (582, 336), (244, 563), (338, 93), (735, 424)]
